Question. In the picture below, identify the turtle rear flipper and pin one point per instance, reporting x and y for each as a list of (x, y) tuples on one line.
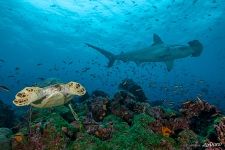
[(27, 96), (75, 88)]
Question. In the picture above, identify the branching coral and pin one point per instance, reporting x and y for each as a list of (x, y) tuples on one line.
[(197, 108), (220, 130)]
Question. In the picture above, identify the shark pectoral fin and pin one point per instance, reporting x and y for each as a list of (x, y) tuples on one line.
[(169, 65), (156, 39)]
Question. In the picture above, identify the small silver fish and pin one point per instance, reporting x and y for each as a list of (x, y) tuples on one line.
[(4, 88)]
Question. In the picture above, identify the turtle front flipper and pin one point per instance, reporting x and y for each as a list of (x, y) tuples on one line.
[(27, 96), (75, 88)]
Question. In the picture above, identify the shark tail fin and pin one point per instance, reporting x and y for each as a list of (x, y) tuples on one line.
[(197, 47), (107, 54)]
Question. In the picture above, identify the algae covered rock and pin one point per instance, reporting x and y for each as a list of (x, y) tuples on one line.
[(187, 138), (5, 138), (99, 108), (132, 87), (220, 131), (124, 122)]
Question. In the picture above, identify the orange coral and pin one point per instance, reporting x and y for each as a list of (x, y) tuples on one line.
[(19, 137), (166, 131)]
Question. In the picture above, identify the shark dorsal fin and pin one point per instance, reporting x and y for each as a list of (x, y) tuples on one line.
[(156, 39)]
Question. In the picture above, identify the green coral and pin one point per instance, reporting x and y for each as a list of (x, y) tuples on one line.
[(137, 136), (187, 137)]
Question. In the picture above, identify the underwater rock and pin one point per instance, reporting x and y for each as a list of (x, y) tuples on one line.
[(5, 131), (94, 128), (125, 105), (129, 101), (5, 141), (220, 130), (167, 125), (187, 139), (43, 137), (124, 97), (99, 108), (7, 115), (157, 112), (132, 87), (69, 133), (165, 145), (76, 124), (198, 108), (122, 112), (49, 131), (200, 115)]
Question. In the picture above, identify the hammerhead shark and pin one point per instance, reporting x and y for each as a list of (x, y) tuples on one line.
[(157, 52)]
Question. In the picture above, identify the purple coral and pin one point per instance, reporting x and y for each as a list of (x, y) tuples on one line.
[(220, 130)]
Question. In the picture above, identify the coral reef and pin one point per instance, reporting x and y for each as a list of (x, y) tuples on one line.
[(99, 107), (220, 131), (124, 122), (52, 132), (132, 87), (98, 130), (200, 115), (167, 126), (5, 143), (198, 108)]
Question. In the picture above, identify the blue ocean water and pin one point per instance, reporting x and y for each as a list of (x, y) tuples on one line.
[(41, 39)]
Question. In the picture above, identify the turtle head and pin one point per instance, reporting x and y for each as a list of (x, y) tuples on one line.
[(27, 96), (75, 88)]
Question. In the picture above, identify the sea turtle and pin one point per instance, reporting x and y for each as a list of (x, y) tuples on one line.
[(50, 96)]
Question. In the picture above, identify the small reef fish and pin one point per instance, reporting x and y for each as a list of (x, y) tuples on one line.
[(39, 64), (11, 76), (194, 1), (4, 88), (85, 69), (157, 52), (41, 78), (70, 62)]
